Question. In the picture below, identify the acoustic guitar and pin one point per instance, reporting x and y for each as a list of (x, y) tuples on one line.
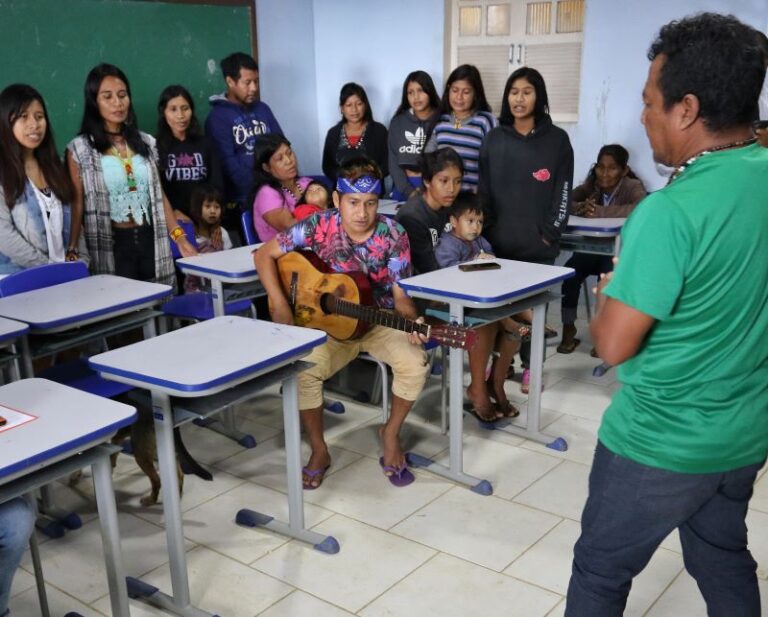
[(341, 304)]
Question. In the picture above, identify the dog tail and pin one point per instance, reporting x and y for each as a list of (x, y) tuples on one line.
[(188, 464)]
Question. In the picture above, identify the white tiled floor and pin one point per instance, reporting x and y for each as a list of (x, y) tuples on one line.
[(432, 548)]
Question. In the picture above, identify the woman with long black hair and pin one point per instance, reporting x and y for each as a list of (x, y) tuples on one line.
[(119, 201)]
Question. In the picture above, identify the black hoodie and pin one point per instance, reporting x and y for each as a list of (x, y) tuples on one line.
[(525, 189)]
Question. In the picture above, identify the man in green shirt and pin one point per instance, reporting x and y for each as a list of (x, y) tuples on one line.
[(685, 314)]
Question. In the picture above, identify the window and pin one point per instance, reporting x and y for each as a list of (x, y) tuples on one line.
[(500, 36)]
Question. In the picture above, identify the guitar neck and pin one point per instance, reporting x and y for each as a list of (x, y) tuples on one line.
[(376, 316)]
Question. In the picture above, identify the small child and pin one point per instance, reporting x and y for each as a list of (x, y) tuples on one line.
[(315, 199), (464, 242), (205, 212)]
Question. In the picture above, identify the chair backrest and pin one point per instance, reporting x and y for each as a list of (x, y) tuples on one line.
[(249, 231), (189, 229), (38, 277)]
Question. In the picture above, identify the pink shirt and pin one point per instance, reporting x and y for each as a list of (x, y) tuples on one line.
[(268, 199)]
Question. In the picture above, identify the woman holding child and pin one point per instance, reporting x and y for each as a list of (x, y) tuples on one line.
[(425, 217), (277, 186), (118, 197)]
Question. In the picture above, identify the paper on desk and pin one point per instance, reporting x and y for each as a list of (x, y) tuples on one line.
[(13, 418)]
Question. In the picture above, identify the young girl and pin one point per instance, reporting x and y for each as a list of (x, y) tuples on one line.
[(205, 212), (315, 199)]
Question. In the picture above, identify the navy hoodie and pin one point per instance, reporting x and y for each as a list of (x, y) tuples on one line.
[(525, 189), (235, 129)]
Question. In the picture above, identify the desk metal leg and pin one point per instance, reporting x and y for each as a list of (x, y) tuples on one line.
[(455, 471), (533, 423), (217, 292), (110, 536), (226, 423), (179, 602), (295, 526)]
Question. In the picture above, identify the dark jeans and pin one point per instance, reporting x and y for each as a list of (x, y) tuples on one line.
[(631, 509), (134, 251), (585, 265)]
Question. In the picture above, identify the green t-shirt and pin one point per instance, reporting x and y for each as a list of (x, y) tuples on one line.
[(695, 258)]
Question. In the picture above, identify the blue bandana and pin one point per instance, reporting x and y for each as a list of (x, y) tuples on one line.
[(364, 184)]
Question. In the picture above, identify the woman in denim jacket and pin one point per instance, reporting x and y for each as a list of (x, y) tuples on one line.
[(35, 188)]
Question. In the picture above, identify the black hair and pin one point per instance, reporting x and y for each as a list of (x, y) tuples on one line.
[(352, 89), (425, 81), (540, 107), (303, 198), (357, 166), (466, 201), (231, 65), (14, 100), (716, 58), (432, 163), (200, 194), (762, 43), (619, 154), (469, 73), (164, 133), (266, 146), (92, 124)]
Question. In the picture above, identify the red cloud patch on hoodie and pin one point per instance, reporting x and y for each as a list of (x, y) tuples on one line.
[(542, 175)]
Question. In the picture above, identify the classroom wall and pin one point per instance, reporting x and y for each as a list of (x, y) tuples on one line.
[(309, 49), (614, 68), (286, 42)]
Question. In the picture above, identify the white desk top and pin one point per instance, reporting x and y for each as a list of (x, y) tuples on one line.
[(207, 357), (10, 329), (485, 288), (389, 207), (232, 266), (605, 225), (68, 421), (82, 301)]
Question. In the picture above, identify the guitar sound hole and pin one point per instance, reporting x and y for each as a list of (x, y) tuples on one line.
[(326, 303)]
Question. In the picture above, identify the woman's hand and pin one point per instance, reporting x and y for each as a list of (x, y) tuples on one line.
[(185, 247), (586, 208)]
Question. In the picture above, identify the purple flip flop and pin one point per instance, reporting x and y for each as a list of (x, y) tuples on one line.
[(397, 476), (312, 474)]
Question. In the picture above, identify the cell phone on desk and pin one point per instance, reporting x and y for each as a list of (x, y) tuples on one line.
[(482, 265)]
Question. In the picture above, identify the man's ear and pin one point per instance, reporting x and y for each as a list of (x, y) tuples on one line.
[(688, 109), (336, 199)]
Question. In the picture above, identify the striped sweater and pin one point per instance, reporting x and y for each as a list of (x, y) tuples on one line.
[(466, 141)]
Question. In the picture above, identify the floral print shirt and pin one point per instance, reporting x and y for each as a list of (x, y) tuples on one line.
[(385, 257)]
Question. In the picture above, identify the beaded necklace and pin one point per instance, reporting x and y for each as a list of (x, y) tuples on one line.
[(126, 161), (683, 166), (295, 191), (345, 143)]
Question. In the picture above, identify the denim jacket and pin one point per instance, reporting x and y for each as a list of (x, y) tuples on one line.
[(22, 233)]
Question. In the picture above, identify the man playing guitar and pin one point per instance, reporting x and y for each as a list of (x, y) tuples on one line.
[(354, 238)]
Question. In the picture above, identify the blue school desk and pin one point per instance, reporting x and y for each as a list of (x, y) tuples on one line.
[(516, 286), (230, 266), (72, 313), (68, 433), (241, 357), (10, 332)]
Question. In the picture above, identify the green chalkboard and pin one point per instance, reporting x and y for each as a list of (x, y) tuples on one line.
[(52, 44)]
